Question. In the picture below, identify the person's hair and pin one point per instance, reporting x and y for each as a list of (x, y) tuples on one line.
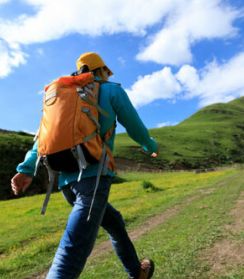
[(99, 72), (83, 69)]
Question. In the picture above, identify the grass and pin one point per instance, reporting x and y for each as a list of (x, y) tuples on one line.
[(212, 136), (13, 147), (29, 240), (176, 245)]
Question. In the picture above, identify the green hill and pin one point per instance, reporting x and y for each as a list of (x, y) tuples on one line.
[(176, 221), (211, 137), (13, 147)]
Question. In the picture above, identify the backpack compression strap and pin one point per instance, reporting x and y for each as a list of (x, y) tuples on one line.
[(103, 163), (99, 173), (51, 176)]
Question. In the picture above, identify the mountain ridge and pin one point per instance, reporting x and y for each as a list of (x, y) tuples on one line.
[(213, 136)]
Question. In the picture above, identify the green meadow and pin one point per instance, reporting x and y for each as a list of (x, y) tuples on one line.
[(194, 206), (197, 205), (213, 136)]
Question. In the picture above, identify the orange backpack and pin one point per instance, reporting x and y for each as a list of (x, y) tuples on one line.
[(69, 135)]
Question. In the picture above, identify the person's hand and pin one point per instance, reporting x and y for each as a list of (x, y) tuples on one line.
[(20, 182), (154, 155)]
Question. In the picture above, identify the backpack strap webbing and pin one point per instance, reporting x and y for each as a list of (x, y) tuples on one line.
[(92, 117), (103, 164), (99, 173), (90, 102), (51, 176), (89, 137), (81, 160)]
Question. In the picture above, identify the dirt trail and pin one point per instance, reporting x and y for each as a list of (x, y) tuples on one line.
[(151, 223), (225, 254), (228, 253), (105, 247), (148, 225)]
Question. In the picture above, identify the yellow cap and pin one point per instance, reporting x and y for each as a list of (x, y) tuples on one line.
[(92, 60)]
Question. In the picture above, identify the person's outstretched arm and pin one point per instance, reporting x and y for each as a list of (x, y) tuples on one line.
[(25, 171), (129, 118)]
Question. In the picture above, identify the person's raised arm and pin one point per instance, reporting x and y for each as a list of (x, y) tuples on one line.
[(129, 118)]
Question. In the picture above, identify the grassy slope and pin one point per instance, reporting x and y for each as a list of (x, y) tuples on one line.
[(13, 147), (28, 240), (177, 245), (212, 136)]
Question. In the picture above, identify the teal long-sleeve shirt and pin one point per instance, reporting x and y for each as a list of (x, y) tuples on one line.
[(114, 100)]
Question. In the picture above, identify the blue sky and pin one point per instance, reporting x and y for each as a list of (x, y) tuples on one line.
[(171, 56)]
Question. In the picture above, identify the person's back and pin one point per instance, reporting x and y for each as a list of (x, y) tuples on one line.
[(80, 233), (114, 100)]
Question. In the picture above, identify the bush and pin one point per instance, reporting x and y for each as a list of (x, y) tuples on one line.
[(149, 187)]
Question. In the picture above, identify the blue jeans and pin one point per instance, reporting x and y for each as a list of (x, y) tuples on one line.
[(80, 235)]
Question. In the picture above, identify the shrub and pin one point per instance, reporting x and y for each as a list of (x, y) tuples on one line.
[(149, 187)]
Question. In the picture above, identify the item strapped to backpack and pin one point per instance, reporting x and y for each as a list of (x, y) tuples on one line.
[(69, 135)]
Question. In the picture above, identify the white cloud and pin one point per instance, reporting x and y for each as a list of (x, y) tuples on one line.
[(184, 22), (10, 58), (189, 79), (188, 23), (159, 85), (122, 61), (169, 46), (4, 1), (217, 82), (58, 18), (165, 124), (40, 51)]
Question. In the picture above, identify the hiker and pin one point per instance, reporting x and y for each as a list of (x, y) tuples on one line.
[(80, 233)]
